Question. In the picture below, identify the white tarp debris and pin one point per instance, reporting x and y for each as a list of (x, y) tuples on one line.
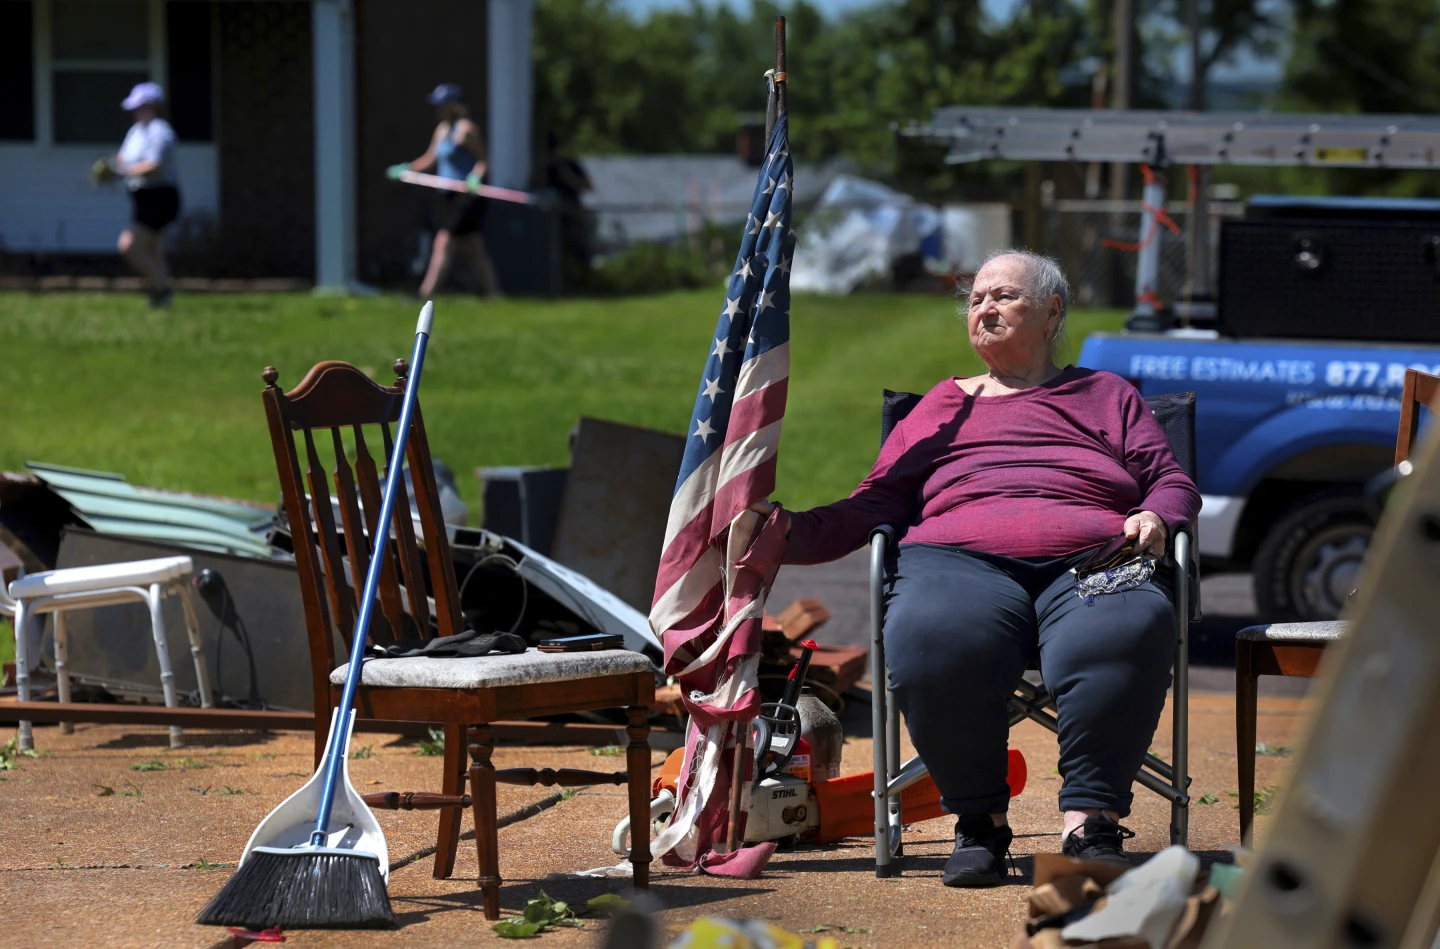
[(858, 229)]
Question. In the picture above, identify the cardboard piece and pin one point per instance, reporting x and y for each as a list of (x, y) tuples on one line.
[(1165, 903), (1146, 901)]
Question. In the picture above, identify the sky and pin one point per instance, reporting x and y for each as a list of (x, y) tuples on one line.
[(1248, 68)]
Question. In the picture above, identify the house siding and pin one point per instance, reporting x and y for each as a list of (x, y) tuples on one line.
[(266, 142), (404, 50)]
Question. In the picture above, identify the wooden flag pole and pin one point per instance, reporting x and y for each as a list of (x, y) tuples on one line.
[(780, 77), (775, 101), (738, 784), (739, 780)]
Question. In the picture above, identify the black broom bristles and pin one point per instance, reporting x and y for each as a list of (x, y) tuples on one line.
[(304, 888)]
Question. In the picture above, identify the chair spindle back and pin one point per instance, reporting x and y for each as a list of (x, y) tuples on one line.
[(333, 400)]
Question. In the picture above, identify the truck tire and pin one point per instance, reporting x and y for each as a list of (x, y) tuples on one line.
[(1308, 563)]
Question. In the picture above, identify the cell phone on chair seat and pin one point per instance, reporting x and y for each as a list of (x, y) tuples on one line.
[(586, 643)]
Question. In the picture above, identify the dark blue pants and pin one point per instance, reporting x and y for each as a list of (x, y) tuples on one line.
[(960, 629)]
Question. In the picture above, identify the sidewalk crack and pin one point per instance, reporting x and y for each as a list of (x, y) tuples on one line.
[(505, 820)]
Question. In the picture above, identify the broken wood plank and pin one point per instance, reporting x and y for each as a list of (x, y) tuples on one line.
[(536, 733), (802, 618)]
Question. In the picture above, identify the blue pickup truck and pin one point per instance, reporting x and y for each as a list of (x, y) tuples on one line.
[(1287, 432)]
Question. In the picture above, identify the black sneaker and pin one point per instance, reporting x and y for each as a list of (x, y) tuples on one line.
[(980, 852), (1103, 841), (160, 299)]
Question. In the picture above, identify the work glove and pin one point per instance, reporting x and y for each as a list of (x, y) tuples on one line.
[(103, 171), (395, 171)]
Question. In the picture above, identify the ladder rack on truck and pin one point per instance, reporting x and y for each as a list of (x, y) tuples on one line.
[(1161, 138), (1190, 138)]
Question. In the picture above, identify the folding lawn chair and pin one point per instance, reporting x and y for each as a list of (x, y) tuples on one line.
[(1176, 414)]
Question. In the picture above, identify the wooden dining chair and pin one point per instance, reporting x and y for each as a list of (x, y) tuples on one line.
[(329, 412), (1294, 649), (1420, 390)]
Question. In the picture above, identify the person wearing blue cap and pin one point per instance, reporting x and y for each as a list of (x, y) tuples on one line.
[(456, 151), (146, 161)]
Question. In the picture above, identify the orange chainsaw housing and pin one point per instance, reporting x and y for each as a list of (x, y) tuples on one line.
[(847, 805)]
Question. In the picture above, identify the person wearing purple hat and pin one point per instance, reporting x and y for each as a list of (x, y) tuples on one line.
[(146, 160), (456, 151)]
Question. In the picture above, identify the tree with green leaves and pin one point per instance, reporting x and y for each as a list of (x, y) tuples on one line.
[(1375, 56)]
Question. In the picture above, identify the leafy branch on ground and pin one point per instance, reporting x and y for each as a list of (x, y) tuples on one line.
[(133, 790), (1264, 799), (434, 746), (608, 751), (154, 764), (1206, 799), (230, 790), (204, 864), (1279, 751), (608, 904), (363, 752), (104, 790), (540, 914), (191, 764), (10, 753)]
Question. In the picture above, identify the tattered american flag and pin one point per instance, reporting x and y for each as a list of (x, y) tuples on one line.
[(718, 560)]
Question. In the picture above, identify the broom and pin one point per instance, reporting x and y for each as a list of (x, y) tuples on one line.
[(301, 869)]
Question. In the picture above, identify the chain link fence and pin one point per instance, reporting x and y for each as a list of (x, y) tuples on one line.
[(1095, 241)]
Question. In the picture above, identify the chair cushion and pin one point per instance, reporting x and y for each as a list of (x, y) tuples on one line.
[(488, 672), (1326, 632), (101, 576)]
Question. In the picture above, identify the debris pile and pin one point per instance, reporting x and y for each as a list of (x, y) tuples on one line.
[(1165, 903)]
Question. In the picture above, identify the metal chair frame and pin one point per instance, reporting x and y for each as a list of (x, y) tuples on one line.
[(1030, 701)]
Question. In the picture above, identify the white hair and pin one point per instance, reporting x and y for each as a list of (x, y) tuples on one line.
[(1044, 278)]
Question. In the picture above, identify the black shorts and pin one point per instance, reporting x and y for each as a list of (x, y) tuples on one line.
[(156, 207), (458, 213)]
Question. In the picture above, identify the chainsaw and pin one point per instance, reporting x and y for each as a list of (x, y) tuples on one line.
[(784, 804)]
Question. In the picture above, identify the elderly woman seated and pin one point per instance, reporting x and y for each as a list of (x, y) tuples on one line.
[(1000, 484)]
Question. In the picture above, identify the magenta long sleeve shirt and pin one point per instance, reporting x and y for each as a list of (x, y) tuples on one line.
[(1044, 472)]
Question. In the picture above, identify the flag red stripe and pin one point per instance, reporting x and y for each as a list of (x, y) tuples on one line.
[(750, 414), (757, 410), (737, 493)]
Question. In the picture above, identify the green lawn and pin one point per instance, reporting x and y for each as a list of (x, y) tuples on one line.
[(171, 398)]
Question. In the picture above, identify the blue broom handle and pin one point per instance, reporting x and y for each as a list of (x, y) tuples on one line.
[(380, 542)]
